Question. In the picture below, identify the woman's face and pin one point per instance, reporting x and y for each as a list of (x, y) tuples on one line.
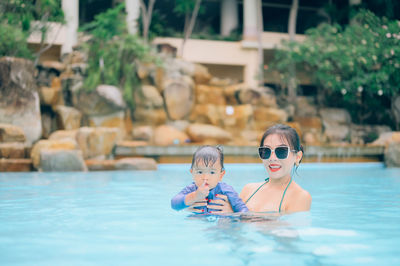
[(279, 168)]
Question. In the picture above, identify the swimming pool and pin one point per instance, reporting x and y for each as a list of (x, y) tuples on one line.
[(124, 218)]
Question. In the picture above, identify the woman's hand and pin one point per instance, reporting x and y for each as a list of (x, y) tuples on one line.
[(224, 202), (192, 208)]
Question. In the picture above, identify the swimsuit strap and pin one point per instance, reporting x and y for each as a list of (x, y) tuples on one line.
[(266, 181), (283, 195)]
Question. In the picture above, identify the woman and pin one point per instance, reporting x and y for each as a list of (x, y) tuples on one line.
[(281, 154)]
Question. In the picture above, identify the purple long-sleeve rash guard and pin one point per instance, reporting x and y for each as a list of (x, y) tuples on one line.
[(178, 202)]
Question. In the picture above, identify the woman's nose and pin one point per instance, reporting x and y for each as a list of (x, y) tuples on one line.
[(273, 155)]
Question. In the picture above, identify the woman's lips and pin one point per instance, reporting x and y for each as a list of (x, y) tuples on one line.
[(274, 167)]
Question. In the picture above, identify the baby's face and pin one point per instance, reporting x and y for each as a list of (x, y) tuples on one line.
[(211, 174)]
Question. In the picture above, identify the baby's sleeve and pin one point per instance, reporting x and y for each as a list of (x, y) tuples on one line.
[(236, 202), (178, 201)]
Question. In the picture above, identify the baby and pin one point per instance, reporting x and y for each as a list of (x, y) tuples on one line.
[(207, 170)]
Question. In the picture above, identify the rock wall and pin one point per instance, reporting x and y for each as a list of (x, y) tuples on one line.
[(178, 103)]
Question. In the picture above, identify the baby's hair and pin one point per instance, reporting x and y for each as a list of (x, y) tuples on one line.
[(286, 133), (208, 155)]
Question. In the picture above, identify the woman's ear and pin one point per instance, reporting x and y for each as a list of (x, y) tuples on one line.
[(299, 156)]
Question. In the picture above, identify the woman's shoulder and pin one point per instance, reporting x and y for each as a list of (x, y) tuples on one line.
[(250, 187), (301, 192), (301, 198)]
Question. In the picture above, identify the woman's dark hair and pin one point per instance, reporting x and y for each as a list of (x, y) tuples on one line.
[(208, 155), (286, 133)]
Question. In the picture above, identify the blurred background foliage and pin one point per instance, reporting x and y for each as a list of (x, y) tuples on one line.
[(351, 53), (16, 23), (113, 54), (356, 67)]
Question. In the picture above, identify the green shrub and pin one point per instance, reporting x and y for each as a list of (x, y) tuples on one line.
[(13, 42), (114, 54), (16, 23), (357, 67)]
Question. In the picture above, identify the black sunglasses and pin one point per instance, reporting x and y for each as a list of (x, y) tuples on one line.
[(281, 152)]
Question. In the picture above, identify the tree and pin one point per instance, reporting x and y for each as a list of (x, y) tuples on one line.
[(357, 67), (260, 29), (146, 17), (292, 35), (114, 54), (184, 7)]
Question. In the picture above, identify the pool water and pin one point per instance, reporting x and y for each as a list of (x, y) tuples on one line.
[(124, 218)]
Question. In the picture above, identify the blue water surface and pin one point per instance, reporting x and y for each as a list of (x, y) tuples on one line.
[(124, 218)]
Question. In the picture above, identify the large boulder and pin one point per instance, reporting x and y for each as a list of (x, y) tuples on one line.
[(208, 133), (265, 117), (116, 120), (97, 142), (15, 165), (61, 161), (392, 155), (237, 117), (11, 133), (15, 150), (168, 135), (241, 94), (148, 96), (335, 115), (50, 96), (225, 116), (387, 138), (136, 164), (105, 99), (63, 134), (49, 122), (305, 107), (396, 110), (206, 94), (311, 127), (122, 164), (19, 101), (309, 123), (68, 118), (71, 86), (201, 74), (61, 144), (144, 133), (150, 116), (336, 123), (363, 134), (178, 97)]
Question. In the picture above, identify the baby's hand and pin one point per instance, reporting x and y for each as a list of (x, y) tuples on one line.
[(202, 191)]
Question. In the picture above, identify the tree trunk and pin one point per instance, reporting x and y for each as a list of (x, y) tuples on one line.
[(260, 30), (146, 17), (189, 29), (292, 34), (71, 15), (132, 8)]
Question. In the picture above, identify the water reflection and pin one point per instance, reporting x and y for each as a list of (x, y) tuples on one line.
[(251, 237)]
